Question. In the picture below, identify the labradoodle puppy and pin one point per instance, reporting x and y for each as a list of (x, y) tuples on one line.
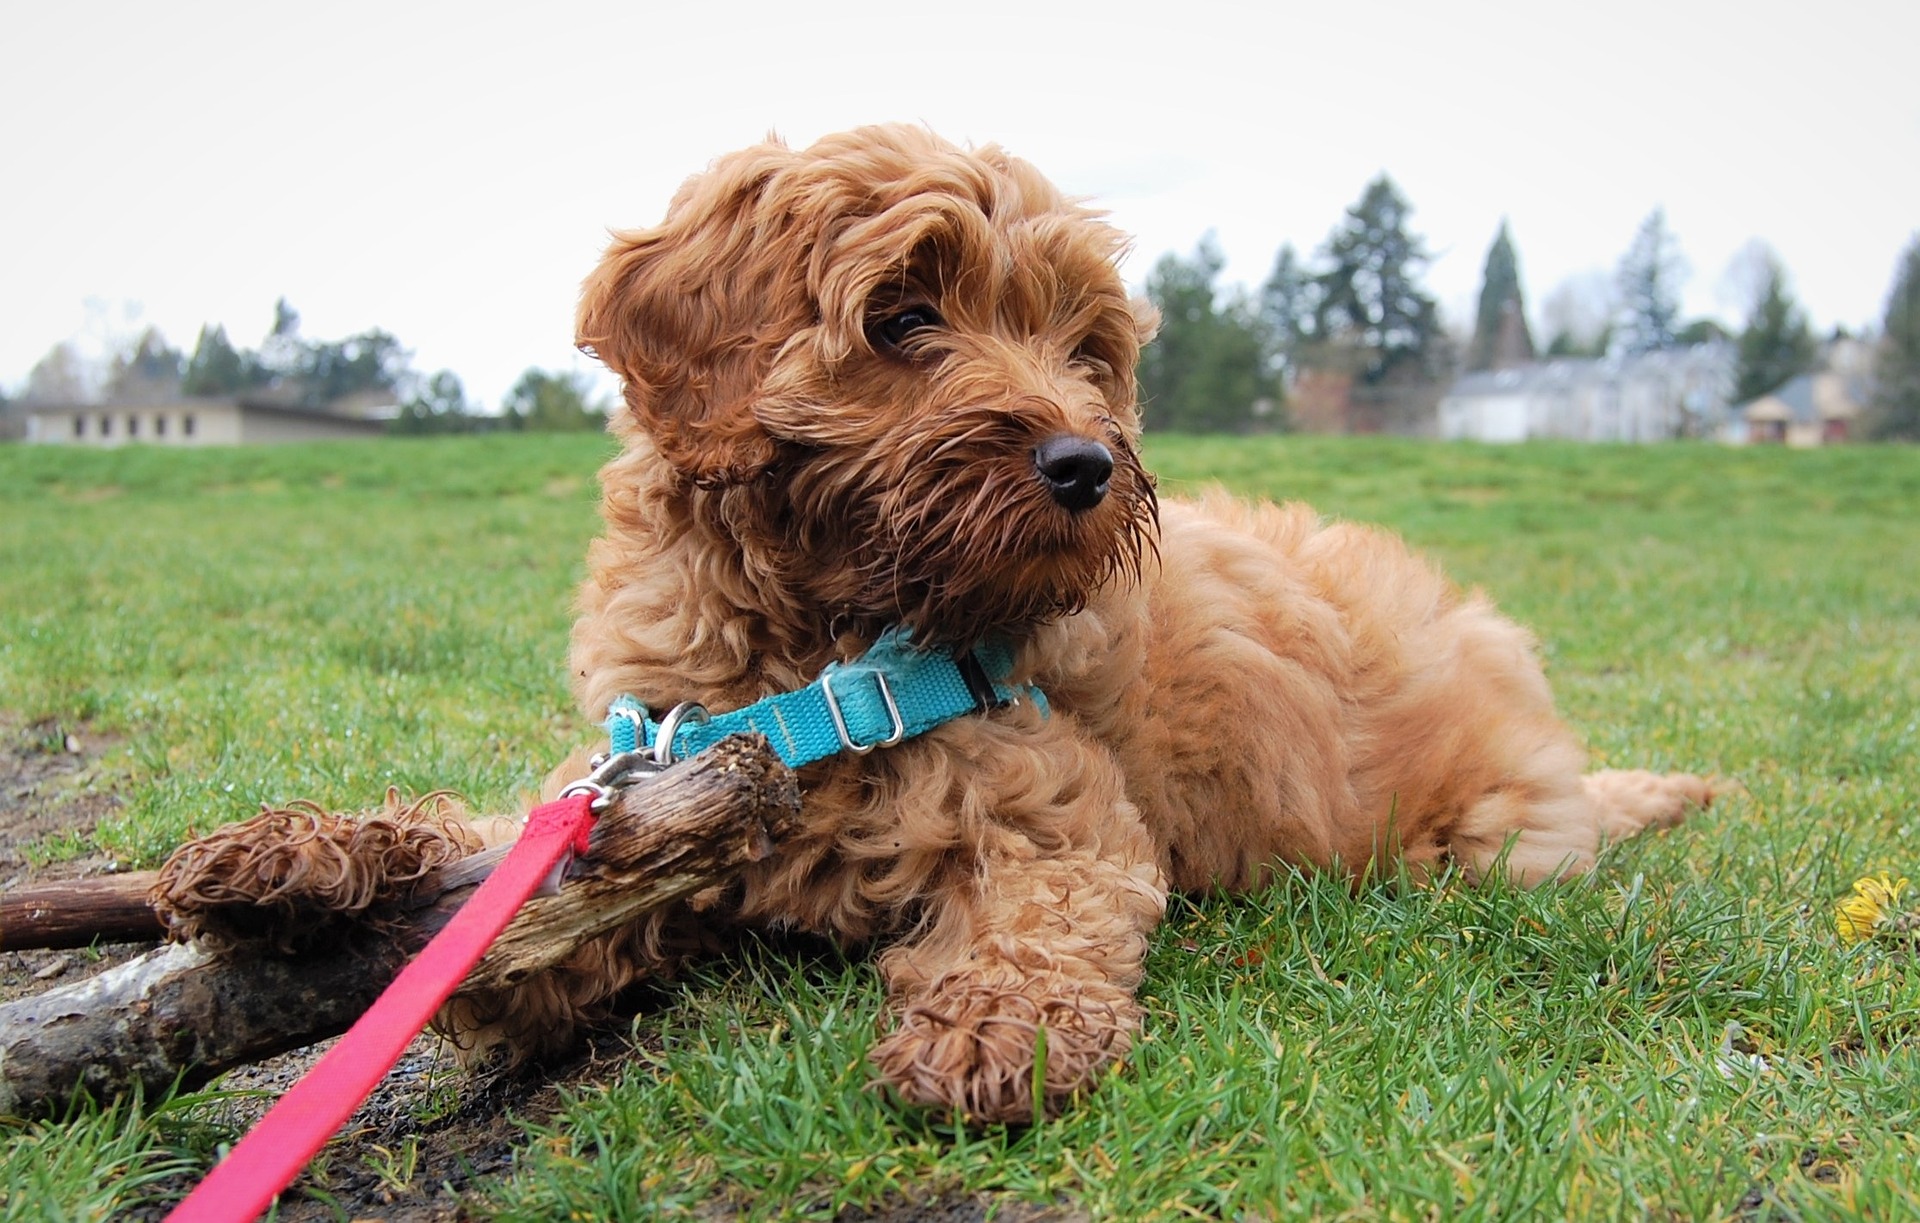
[(885, 381)]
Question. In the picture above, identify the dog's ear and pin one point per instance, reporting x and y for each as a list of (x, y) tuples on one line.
[(1146, 320), (691, 312)]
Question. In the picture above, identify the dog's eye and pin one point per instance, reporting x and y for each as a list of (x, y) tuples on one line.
[(895, 329)]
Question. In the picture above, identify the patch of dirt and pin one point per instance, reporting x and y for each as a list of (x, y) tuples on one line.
[(421, 1147), (48, 788), (978, 1209), (416, 1150), (1762, 1200)]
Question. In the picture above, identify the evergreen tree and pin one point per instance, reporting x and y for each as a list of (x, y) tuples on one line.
[(1286, 306), (62, 377), (1649, 281), (1501, 338), (1369, 298), (439, 406), (1209, 369), (1896, 401), (1578, 314), (1702, 331), (329, 371), (216, 367), (1776, 345), (151, 370), (282, 352), (550, 401)]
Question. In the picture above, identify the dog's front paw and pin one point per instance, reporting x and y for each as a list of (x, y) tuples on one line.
[(979, 1046), (293, 878)]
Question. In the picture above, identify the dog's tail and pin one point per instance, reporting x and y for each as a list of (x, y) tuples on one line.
[(1632, 800)]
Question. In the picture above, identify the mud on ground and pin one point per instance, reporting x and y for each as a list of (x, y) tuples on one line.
[(51, 791)]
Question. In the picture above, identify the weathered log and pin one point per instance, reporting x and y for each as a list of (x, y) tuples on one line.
[(180, 1013), (80, 912)]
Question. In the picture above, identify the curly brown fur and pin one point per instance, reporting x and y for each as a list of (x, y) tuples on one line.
[(296, 877), (1233, 686), (841, 365)]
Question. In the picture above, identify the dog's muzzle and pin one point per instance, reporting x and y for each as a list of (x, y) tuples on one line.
[(1076, 470)]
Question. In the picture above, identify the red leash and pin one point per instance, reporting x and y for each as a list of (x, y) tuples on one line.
[(264, 1162)]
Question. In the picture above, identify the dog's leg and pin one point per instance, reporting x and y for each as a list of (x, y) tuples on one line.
[(290, 878), (297, 877), (1554, 823), (1515, 771), (1633, 800), (1034, 953)]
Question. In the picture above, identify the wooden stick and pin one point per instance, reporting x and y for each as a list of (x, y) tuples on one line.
[(81, 912), (179, 1013)]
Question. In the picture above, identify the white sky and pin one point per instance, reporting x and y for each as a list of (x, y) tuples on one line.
[(448, 172)]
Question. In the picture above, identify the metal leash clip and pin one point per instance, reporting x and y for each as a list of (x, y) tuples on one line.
[(611, 773)]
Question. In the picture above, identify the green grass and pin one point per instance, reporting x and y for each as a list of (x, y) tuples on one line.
[(321, 622)]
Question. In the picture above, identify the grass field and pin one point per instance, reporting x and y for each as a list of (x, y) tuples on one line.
[(1680, 1035)]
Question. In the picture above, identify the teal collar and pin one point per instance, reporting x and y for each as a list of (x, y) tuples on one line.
[(890, 693)]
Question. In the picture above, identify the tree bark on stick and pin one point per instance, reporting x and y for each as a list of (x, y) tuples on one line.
[(81, 912), (180, 1013)]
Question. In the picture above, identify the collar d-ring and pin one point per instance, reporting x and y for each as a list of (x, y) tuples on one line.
[(693, 713)]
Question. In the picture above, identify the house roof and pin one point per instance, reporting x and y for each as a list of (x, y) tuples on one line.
[(1792, 401), (1805, 400), (298, 411)]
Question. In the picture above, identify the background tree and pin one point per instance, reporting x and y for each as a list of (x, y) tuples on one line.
[(63, 376), (149, 371), (216, 366), (1702, 331), (1286, 307), (1182, 291), (329, 371), (1210, 368), (1369, 298), (1777, 345), (439, 406), (552, 400), (282, 352), (1649, 280), (315, 372), (1579, 315), (1896, 400), (1501, 338)]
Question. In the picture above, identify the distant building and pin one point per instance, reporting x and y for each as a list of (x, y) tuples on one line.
[(1811, 410), (1321, 401), (191, 421), (1657, 396)]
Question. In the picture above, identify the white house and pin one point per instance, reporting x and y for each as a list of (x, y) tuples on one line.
[(190, 421), (1657, 396)]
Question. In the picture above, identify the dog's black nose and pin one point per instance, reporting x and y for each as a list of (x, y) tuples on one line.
[(1076, 470)]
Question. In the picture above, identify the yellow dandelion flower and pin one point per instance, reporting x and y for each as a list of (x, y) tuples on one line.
[(1873, 900)]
